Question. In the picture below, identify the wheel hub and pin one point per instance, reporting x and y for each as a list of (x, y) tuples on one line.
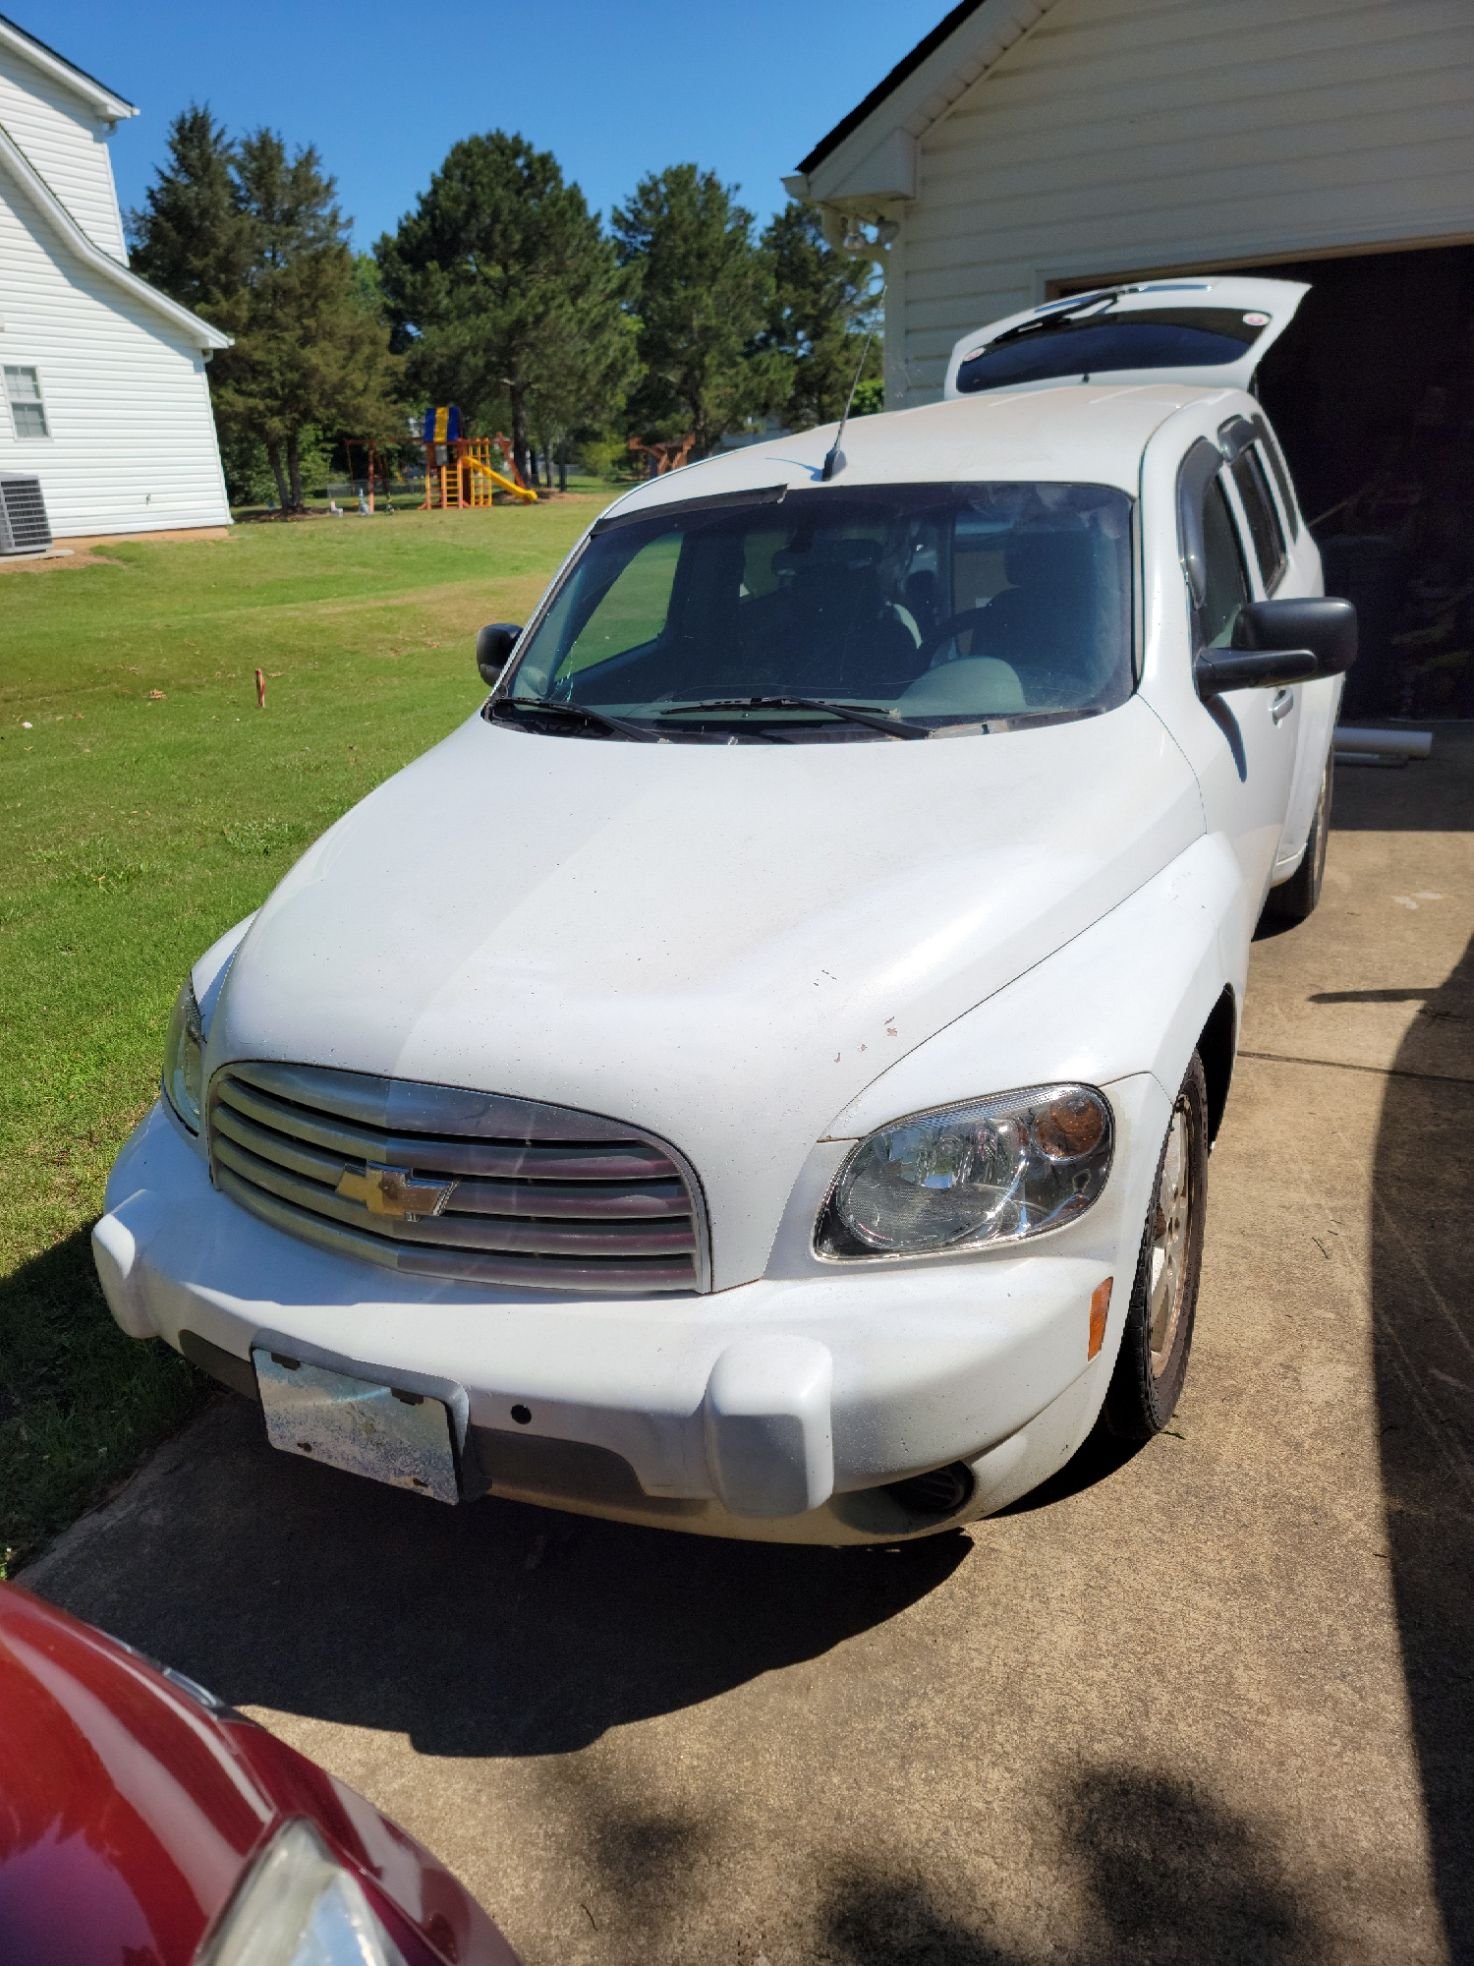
[(1171, 1228)]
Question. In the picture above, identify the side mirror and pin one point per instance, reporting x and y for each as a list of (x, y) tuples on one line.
[(1280, 642), (494, 644)]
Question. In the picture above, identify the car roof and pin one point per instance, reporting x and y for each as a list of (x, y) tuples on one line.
[(1078, 433)]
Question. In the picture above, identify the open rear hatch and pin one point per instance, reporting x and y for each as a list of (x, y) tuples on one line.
[(1212, 331)]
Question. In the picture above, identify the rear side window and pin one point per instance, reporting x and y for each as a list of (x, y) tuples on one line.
[(1263, 520), (1227, 582), (1270, 446)]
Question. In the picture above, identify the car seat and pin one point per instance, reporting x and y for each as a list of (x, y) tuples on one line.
[(838, 632), (1051, 624)]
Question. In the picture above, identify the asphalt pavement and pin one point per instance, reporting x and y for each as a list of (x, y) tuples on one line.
[(1212, 1704)]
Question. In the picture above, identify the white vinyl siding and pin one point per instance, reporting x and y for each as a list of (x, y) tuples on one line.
[(66, 144), (132, 439), (1125, 136)]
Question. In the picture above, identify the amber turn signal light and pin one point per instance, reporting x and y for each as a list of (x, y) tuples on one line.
[(1100, 1304)]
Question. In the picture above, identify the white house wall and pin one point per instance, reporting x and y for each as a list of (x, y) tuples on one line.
[(1128, 135), (132, 445), (67, 143)]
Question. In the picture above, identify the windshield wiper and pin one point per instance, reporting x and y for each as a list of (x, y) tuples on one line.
[(551, 706), (848, 712), (1064, 313)]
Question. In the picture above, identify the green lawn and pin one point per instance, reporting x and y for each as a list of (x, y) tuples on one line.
[(148, 806)]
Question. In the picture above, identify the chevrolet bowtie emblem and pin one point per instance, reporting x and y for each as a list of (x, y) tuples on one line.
[(394, 1191)]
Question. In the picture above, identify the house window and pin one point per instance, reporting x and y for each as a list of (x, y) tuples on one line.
[(27, 411)]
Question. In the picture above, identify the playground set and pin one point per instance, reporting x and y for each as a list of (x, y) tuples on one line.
[(664, 457), (465, 472)]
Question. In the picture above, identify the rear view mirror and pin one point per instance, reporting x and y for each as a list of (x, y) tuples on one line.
[(1280, 642), (494, 644)]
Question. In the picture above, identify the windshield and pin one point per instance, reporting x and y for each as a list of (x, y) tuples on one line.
[(1147, 338), (927, 606)]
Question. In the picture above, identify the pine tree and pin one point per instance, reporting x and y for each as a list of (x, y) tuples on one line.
[(701, 296), (504, 292), (253, 239), (821, 309), (190, 238), (584, 360), (310, 355)]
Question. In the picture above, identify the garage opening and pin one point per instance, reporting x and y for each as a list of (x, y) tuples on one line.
[(1372, 393)]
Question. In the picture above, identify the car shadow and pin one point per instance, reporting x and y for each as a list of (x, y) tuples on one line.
[(494, 1630), (1423, 1349), (79, 1402), (1098, 1457)]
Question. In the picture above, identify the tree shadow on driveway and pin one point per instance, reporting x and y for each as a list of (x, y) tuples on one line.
[(1423, 1345), (1162, 1871), (497, 1629)]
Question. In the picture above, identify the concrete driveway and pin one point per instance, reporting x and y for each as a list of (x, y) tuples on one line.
[(1214, 1704)]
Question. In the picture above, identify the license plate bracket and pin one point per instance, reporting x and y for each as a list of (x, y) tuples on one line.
[(362, 1426)]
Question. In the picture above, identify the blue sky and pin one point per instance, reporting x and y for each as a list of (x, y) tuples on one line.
[(615, 88)]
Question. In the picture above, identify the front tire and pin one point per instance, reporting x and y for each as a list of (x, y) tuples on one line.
[(1294, 900), (1152, 1362)]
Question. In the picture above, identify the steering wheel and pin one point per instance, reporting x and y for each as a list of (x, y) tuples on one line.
[(949, 630)]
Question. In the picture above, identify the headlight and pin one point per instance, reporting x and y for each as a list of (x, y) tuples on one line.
[(299, 1905), (992, 1170), (184, 1064)]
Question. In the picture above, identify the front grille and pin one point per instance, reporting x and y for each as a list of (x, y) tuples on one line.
[(441, 1182)]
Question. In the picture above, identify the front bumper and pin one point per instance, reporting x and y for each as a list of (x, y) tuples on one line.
[(779, 1410)]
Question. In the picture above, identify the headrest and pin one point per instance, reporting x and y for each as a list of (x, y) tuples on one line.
[(829, 553), (976, 685)]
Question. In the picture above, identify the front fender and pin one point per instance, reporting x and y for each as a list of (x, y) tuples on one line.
[(212, 968), (1130, 994)]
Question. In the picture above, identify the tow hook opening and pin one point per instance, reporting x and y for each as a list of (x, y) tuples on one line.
[(938, 1493)]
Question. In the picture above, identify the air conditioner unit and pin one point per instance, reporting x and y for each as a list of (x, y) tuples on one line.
[(23, 524)]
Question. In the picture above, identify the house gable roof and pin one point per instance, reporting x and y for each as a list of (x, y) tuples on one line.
[(907, 65), (17, 167), (94, 93), (869, 159)]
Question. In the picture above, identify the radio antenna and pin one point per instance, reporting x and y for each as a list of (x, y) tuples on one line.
[(834, 463)]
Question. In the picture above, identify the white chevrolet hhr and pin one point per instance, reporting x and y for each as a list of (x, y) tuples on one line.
[(679, 1096)]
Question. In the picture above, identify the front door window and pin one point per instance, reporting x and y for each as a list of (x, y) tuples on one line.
[(1227, 581)]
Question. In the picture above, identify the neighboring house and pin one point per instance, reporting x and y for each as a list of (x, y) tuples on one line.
[(1031, 148), (105, 397)]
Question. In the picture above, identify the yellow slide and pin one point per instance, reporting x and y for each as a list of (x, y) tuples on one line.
[(524, 492)]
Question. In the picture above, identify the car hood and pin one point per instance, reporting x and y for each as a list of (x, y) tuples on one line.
[(722, 944)]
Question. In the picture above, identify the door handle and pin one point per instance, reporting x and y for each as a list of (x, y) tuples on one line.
[(1280, 705)]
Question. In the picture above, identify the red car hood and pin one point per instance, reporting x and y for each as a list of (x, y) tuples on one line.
[(130, 1809)]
